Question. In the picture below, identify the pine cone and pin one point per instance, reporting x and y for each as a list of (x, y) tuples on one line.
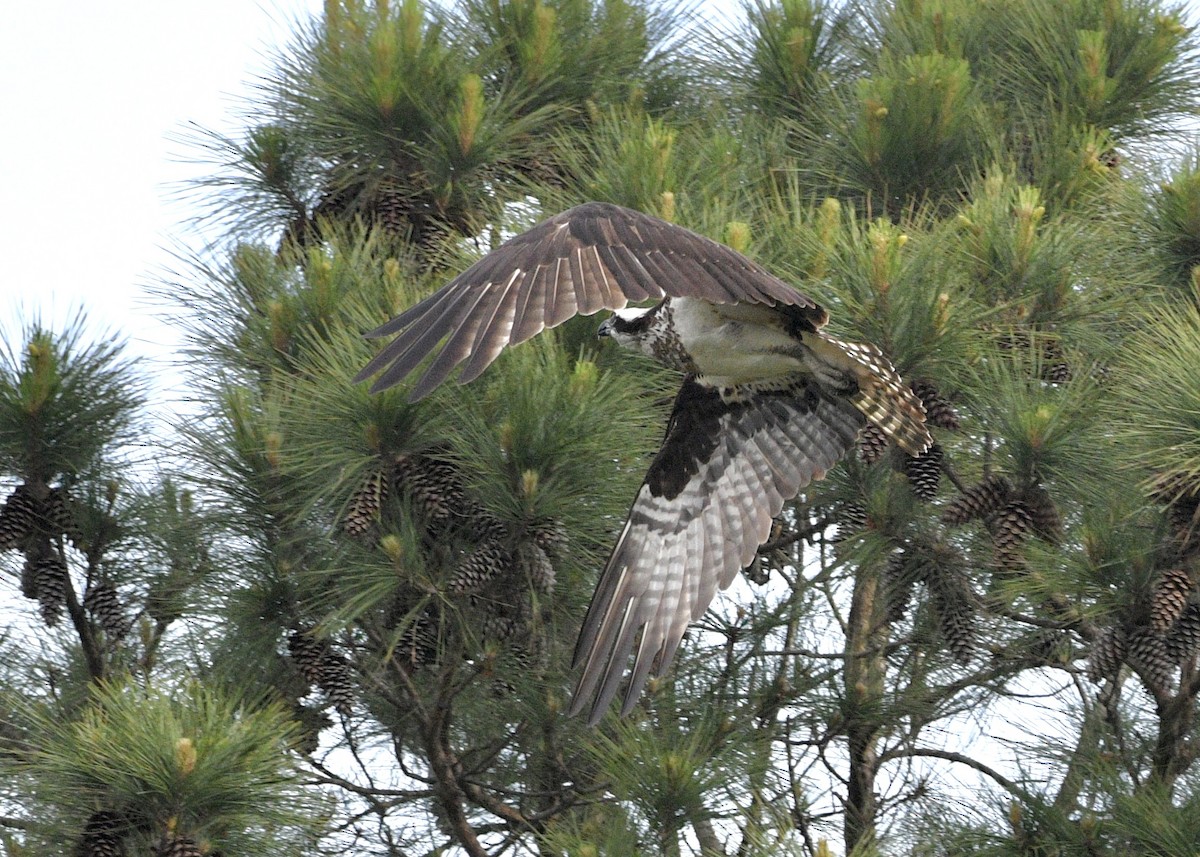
[(104, 604), (487, 562), (872, 443), (978, 501), (1107, 653), (1168, 599), (1171, 488), (50, 582), (1183, 514), (309, 655), (337, 680), (1183, 640), (954, 601), (924, 471), (1010, 530), (17, 517), (58, 515), (433, 485), (365, 504), (1013, 339), (419, 642), (538, 566), (1054, 365), (391, 209), (551, 536), (852, 518), (177, 846), (501, 620), (938, 410), (1044, 517), (1147, 653), (499, 626), (898, 579), (1057, 372), (102, 836)]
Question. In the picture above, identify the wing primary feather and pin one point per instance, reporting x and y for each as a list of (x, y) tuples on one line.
[(529, 315), (615, 598), (634, 619), (596, 669), (587, 297), (460, 345), (596, 274), (627, 279), (492, 338), (479, 316), (672, 573), (414, 345), (560, 303), (603, 599), (418, 310), (614, 670), (436, 302)]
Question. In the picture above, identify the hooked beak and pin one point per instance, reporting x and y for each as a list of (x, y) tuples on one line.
[(605, 328)]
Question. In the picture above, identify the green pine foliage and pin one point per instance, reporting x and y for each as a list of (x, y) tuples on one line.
[(63, 401), (191, 763)]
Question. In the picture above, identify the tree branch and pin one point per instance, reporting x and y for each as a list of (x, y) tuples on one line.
[(950, 756)]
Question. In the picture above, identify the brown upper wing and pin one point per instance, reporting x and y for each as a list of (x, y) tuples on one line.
[(592, 257), (724, 471)]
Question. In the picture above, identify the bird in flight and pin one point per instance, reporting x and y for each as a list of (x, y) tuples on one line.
[(768, 403)]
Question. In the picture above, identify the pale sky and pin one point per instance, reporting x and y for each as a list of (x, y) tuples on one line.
[(90, 94)]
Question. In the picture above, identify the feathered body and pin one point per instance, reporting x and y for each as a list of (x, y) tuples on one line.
[(745, 348), (768, 403)]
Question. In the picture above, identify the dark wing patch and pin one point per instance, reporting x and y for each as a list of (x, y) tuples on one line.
[(592, 257), (724, 471)]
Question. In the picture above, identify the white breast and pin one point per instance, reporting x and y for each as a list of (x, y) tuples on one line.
[(735, 343)]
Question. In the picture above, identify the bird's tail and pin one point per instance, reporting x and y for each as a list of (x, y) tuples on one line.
[(886, 401)]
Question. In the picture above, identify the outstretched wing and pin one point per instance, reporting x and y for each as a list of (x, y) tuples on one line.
[(592, 257), (724, 471)]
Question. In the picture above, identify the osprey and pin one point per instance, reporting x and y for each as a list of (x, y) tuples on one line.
[(768, 403)]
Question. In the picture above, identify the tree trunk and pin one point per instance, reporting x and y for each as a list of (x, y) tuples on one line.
[(864, 688)]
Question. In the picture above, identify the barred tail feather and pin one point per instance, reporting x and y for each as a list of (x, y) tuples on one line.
[(897, 413), (885, 400)]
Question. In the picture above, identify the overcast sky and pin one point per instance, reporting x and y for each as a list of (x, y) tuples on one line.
[(90, 95)]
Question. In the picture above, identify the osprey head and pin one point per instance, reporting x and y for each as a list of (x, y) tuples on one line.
[(628, 327)]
